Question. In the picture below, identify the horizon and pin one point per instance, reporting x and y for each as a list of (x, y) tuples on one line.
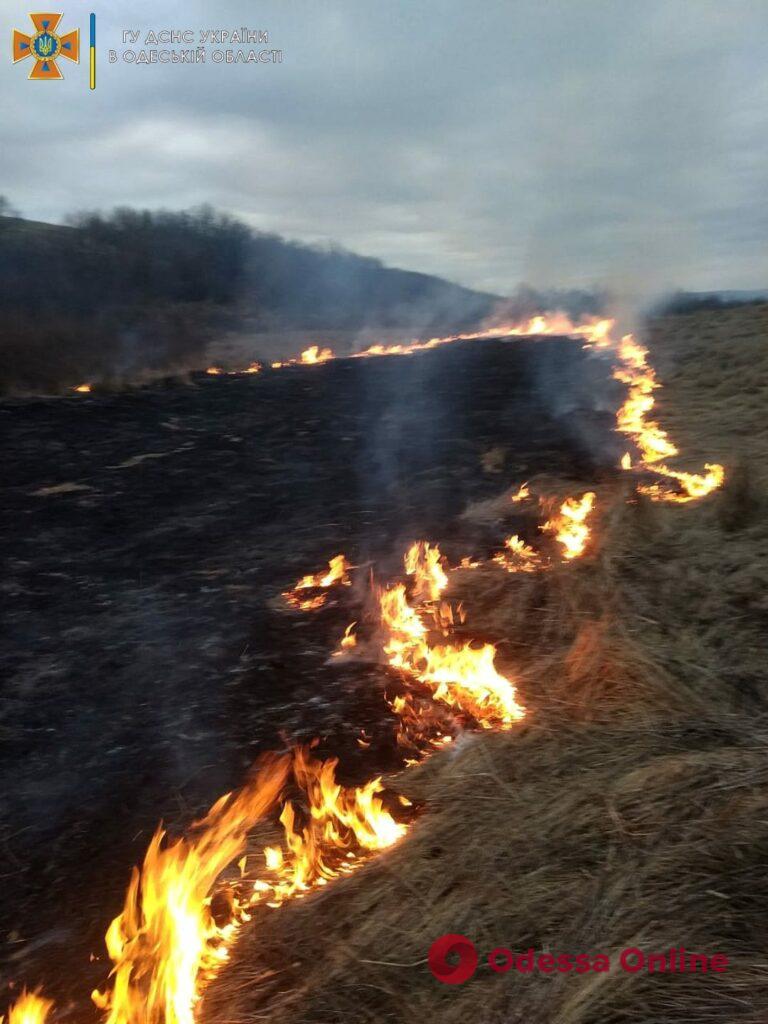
[(737, 294)]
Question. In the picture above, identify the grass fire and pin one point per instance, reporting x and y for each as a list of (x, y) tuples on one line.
[(197, 897), (384, 507)]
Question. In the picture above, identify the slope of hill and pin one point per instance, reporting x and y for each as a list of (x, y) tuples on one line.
[(134, 293)]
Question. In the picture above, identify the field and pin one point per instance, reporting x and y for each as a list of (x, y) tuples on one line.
[(150, 533), (627, 809)]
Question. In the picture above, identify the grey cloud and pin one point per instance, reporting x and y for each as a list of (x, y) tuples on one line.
[(549, 141)]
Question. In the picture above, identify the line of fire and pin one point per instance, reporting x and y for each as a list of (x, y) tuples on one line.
[(193, 894), (384, 493)]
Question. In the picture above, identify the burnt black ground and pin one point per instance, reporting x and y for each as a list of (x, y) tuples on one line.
[(146, 660)]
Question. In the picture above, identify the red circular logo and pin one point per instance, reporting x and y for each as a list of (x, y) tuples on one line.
[(452, 973)]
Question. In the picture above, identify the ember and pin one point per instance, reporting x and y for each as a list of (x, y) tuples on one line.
[(517, 556)]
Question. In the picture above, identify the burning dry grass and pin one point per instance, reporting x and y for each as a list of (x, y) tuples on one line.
[(585, 838), (627, 809), (623, 809)]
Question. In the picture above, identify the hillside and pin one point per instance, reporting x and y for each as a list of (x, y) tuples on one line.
[(135, 294)]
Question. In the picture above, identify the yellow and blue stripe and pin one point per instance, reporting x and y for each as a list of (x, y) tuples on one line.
[(93, 51)]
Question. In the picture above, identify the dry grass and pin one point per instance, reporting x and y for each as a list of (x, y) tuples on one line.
[(629, 809)]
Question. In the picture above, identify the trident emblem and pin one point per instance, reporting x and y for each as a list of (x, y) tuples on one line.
[(45, 46)]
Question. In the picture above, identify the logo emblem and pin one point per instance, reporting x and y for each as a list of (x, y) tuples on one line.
[(46, 46), (464, 953)]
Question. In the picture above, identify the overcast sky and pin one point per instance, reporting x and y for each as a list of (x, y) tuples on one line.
[(562, 142)]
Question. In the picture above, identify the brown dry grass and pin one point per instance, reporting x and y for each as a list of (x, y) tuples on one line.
[(631, 807)]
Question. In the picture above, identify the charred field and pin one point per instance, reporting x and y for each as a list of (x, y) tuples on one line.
[(627, 810), (149, 535)]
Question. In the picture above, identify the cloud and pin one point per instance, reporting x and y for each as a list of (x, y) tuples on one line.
[(546, 141)]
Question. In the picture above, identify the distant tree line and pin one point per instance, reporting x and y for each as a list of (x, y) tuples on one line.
[(111, 296), (118, 294), (125, 259), (680, 303)]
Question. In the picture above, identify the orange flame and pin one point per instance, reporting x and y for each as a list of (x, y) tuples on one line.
[(315, 354), (30, 1008), (462, 675), (347, 642), (337, 573), (214, 371), (653, 442), (342, 825), (423, 562), (569, 525), (694, 485), (83, 389), (165, 943), (420, 727), (593, 328), (518, 556), (309, 357)]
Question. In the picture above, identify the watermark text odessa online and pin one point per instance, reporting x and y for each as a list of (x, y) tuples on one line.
[(453, 959)]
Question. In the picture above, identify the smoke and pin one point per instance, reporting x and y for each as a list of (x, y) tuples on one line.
[(640, 165), (135, 294), (526, 302)]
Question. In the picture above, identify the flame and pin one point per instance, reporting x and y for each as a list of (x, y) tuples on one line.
[(593, 328), (340, 826), (30, 1008), (347, 642), (420, 727), (518, 556), (569, 525), (216, 371), (315, 354), (309, 357), (349, 639), (461, 675), (165, 943), (83, 389), (595, 331), (632, 370), (337, 573), (694, 485), (633, 419), (422, 561)]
